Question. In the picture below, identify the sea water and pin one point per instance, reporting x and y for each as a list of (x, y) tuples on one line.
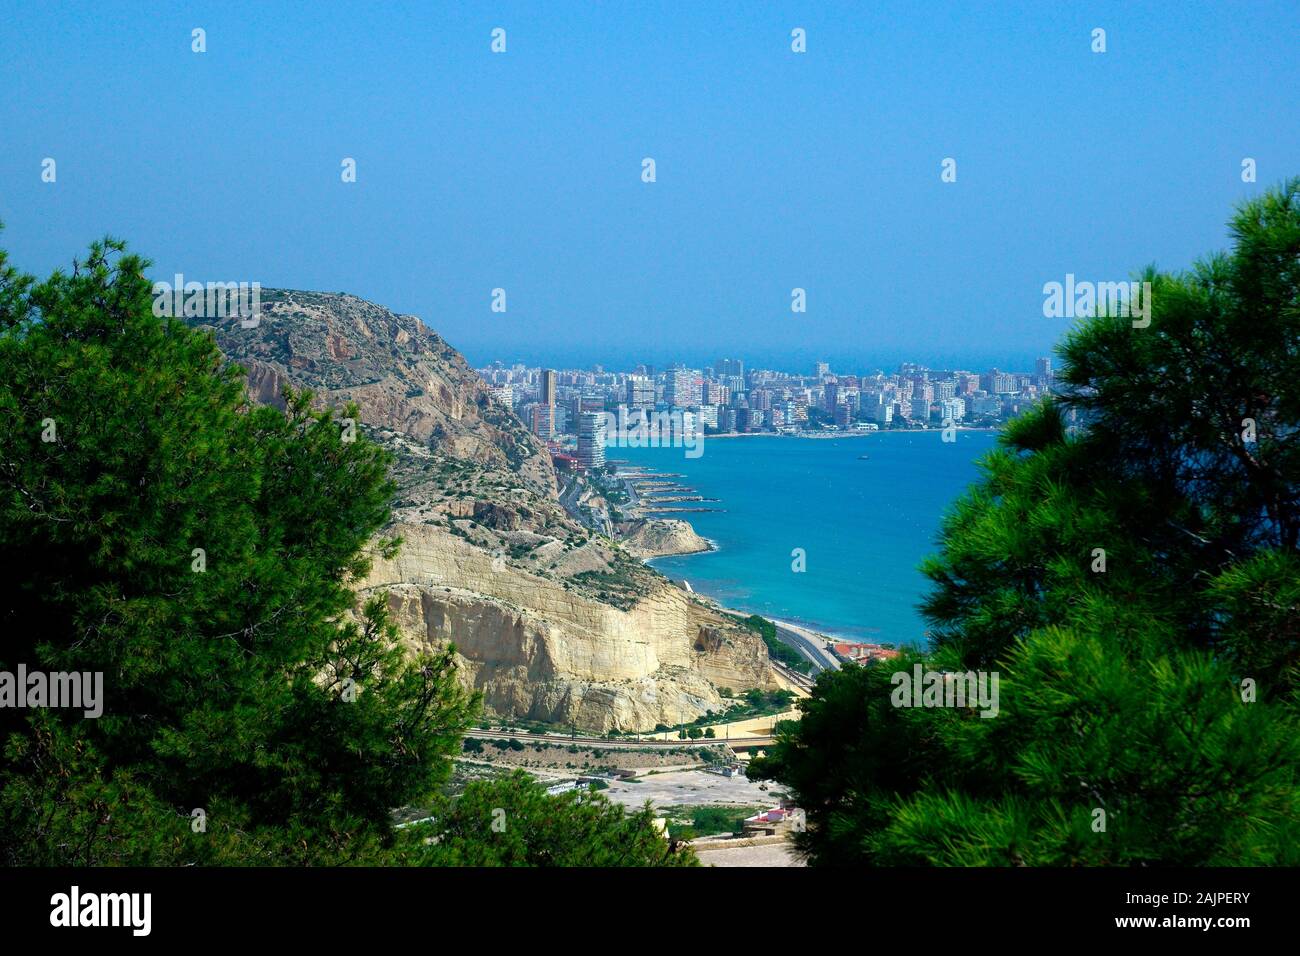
[(863, 526)]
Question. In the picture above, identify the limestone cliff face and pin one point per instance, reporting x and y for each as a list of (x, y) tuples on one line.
[(538, 649), (551, 620)]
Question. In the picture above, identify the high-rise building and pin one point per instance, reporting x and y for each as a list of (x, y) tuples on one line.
[(640, 392), (997, 382), (876, 408), (725, 367), (544, 420), (591, 440), (682, 389), (549, 379)]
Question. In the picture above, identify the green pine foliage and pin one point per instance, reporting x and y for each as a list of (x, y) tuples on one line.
[(512, 821), (1148, 694), (201, 553)]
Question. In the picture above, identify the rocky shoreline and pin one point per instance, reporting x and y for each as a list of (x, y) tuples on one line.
[(646, 538)]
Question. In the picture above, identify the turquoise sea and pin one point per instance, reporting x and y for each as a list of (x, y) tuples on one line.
[(864, 526)]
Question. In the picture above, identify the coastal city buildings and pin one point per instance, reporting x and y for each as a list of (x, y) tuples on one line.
[(640, 392), (543, 420), (573, 409), (591, 440)]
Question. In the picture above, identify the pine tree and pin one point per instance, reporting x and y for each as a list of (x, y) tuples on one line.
[(201, 552), (1128, 567)]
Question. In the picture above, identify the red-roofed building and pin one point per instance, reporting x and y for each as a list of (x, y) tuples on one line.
[(769, 821), (857, 652)]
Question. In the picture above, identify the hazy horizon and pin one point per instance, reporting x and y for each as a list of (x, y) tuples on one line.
[(793, 361), (775, 169)]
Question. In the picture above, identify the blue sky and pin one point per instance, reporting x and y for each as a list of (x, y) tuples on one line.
[(775, 170)]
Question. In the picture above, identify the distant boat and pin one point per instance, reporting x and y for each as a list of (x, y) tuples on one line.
[(862, 458)]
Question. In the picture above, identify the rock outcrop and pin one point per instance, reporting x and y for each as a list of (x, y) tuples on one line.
[(550, 620), (404, 378), (538, 648), (659, 537)]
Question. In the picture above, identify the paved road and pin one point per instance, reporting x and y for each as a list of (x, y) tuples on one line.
[(606, 743), (622, 743), (633, 499), (821, 658), (570, 497)]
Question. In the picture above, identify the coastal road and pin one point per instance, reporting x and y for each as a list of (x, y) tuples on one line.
[(633, 500), (605, 743), (740, 742), (806, 644)]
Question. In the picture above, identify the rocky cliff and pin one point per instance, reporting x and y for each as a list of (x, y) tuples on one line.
[(539, 648), (657, 537), (551, 621)]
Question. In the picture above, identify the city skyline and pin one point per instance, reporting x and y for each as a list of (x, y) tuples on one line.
[(726, 397)]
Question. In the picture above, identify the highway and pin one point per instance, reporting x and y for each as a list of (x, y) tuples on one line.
[(820, 658), (620, 743), (605, 743)]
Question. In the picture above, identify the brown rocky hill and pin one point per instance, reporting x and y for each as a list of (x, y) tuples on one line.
[(551, 621), (403, 376)]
